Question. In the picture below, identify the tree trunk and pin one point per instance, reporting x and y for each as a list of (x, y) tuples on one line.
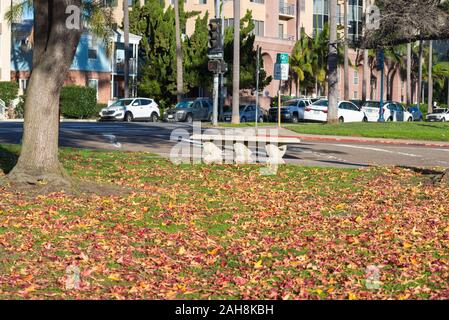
[(409, 74), (54, 48), (420, 73), (236, 66), (346, 51), (332, 115), (179, 68), (365, 74), (126, 39), (430, 93)]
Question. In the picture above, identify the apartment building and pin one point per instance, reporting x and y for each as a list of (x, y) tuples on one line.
[(5, 42), (92, 65), (277, 25)]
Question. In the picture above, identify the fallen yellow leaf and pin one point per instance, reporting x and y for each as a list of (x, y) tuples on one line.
[(258, 264)]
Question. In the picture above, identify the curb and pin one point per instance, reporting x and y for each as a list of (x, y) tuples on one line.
[(373, 141)]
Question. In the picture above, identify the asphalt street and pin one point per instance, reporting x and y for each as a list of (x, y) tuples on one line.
[(155, 138)]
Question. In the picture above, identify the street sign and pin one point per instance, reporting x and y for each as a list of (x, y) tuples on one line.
[(282, 58), (281, 71)]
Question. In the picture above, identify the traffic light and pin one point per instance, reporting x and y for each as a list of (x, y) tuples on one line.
[(217, 66), (215, 39)]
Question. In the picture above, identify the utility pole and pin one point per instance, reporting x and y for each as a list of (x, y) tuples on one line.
[(381, 68), (179, 71), (257, 86), (216, 74), (126, 35)]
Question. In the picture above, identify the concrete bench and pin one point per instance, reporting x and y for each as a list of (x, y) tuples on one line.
[(214, 144)]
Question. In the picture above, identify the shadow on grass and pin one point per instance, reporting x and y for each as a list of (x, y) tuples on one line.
[(8, 158)]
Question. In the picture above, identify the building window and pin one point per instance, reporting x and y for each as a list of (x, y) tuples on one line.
[(355, 17), (281, 31), (320, 14), (228, 23), (356, 77), (258, 1), (356, 95), (93, 83), (93, 47), (259, 28)]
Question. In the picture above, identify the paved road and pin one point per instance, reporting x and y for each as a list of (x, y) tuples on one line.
[(155, 137)]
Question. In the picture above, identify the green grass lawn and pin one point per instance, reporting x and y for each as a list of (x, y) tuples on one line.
[(225, 232), (433, 131)]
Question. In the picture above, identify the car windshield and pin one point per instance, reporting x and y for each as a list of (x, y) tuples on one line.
[(291, 103), (121, 103), (371, 104), (321, 103), (439, 111), (184, 104)]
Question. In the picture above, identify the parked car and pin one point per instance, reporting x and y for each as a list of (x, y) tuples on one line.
[(131, 109), (416, 113), (358, 103), (291, 111), (393, 111), (347, 112), (247, 114), (189, 110), (438, 114)]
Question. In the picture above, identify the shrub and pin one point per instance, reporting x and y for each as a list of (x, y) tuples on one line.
[(19, 110), (8, 91), (78, 102)]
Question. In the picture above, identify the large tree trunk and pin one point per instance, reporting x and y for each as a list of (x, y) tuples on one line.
[(366, 74), (409, 74), (54, 48), (179, 71), (332, 115), (430, 93), (346, 51), (236, 66)]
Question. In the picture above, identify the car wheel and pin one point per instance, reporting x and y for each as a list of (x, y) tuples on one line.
[(443, 119), (295, 119), (261, 120), (390, 119), (128, 117), (189, 118), (243, 120), (341, 120), (365, 119), (154, 117), (410, 119)]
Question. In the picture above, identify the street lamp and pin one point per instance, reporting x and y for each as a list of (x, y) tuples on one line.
[(380, 66)]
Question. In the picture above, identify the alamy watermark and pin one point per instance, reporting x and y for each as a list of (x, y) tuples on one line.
[(72, 277), (372, 280)]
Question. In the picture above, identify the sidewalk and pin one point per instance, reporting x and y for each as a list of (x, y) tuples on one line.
[(285, 133)]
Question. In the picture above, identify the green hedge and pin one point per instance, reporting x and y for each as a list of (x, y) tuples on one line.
[(8, 91), (78, 102)]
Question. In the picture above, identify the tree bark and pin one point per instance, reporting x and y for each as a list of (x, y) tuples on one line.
[(346, 51), (236, 66), (54, 49), (430, 93), (409, 73), (332, 115), (179, 68)]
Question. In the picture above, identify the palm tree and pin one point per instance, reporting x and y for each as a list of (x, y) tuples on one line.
[(301, 60), (179, 68), (346, 51), (365, 74), (236, 66), (430, 79), (420, 65), (409, 73), (332, 116), (126, 39)]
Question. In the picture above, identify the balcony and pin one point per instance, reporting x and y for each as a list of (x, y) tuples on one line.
[(287, 37), (119, 67), (287, 11)]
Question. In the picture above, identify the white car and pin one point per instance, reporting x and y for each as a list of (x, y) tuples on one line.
[(439, 114), (393, 111), (347, 112), (131, 109)]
